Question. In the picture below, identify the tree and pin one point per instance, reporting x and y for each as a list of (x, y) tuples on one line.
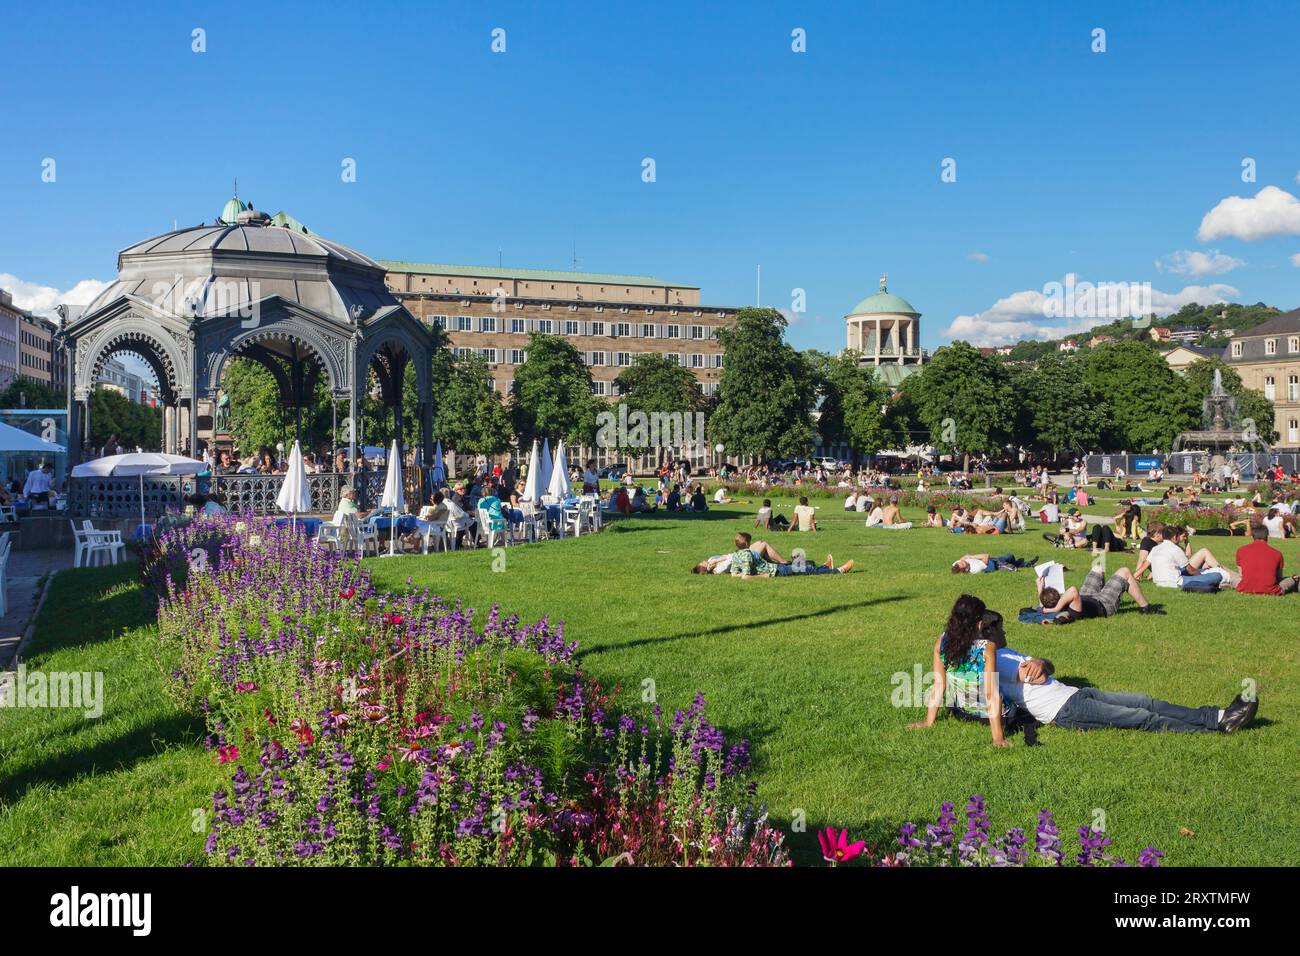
[(1151, 404), (965, 401), (471, 417), (24, 392), (654, 386), (1251, 405), (853, 402), (766, 395), (135, 425), (1060, 412), (551, 396)]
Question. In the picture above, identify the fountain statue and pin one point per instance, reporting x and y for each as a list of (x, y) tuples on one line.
[(1221, 434)]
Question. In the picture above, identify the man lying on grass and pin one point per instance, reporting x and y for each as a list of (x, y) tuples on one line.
[(1093, 598), (971, 651), (760, 560), (983, 563)]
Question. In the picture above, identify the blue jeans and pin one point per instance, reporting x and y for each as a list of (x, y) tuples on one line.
[(1092, 709), (787, 570), (1201, 582)]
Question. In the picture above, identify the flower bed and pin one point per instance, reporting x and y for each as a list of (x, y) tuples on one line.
[(366, 728)]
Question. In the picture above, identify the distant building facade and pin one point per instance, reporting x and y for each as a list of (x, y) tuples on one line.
[(609, 319), (1267, 358), (10, 317)]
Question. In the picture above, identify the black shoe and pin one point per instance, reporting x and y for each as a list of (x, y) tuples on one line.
[(1053, 539), (1238, 714), (1151, 609)]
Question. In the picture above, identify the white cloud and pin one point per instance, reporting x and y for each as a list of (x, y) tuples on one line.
[(1295, 260), (1190, 262), (978, 256), (1272, 212), (42, 299), (1029, 314)]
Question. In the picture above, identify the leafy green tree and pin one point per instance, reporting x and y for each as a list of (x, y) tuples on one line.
[(1250, 403), (853, 402), (1060, 411), (965, 401), (1151, 404), (551, 396), (135, 425), (24, 392), (471, 417), (767, 392), (655, 385)]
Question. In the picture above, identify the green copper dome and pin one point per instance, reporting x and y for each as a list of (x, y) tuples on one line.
[(883, 302), (234, 207)]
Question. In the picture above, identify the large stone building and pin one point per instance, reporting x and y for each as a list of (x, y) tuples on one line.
[(1267, 358), (610, 319), (28, 347), (10, 318)]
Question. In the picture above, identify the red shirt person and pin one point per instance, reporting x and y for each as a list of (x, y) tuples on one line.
[(1261, 567)]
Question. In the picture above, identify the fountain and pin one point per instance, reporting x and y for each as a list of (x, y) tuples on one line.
[(1222, 435)]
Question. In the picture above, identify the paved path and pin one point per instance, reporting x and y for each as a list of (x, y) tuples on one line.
[(22, 587)]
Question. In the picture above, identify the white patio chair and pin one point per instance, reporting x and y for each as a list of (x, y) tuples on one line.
[(489, 535), (329, 535), (572, 520), (8, 514), (526, 529)]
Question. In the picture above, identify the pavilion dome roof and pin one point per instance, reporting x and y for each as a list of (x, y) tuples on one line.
[(223, 264), (883, 302)]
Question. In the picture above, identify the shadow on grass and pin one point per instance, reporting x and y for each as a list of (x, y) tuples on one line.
[(745, 625), (120, 753)]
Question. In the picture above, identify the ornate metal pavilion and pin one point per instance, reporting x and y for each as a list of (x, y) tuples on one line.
[(265, 289)]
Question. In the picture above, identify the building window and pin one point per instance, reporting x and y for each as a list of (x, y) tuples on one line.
[(1270, 346), (697, 331), (489, 355), (518, 356), (673, 332), (438, 321), (623, 358), (597, 358), (1292, 388), (464, 323), (544, 326), (647, 330), (487, 324), (598, 328), (571, 327), (1293, 344), (1270, 387), (1293, 432), (622, 328), (519, 326), (1236, 350), (717, 360), (462, 353), (598, 387), (697, 360)]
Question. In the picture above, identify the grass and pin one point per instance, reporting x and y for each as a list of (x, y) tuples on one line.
[(802, 667), (116, 791)]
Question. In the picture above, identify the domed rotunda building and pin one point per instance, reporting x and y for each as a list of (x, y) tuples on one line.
[(886, 330)]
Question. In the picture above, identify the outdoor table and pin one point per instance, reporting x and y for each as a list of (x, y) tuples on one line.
[(405, 523), (143, 532), (308, 526)]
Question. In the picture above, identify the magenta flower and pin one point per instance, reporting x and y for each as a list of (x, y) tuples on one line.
[(838, 849)]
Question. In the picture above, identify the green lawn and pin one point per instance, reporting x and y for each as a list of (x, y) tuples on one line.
[(802, 667)]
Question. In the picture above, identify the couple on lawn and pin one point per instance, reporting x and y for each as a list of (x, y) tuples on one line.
[(984, 679)]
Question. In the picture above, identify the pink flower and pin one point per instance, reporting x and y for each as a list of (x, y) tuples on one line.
[(346, 593), (385, 762), (838, 849), (227, 754), (302, 731), (245, 687)]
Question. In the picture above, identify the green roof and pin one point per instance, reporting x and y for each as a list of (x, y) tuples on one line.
[(893, 375), (541, 275), (883, 302), (234, 206)]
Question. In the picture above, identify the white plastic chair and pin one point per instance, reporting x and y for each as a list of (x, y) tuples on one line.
[(489, 535), (329, 535), (8, 514), (572, 519)]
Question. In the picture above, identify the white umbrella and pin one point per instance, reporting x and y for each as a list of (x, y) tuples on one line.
[(439, 473), (394, 500), (295, 494), (533, 483), (15, 439), (545, 463), (558, 487), (139, 463)]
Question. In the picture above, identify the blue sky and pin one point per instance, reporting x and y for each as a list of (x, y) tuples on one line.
[(823, 166)]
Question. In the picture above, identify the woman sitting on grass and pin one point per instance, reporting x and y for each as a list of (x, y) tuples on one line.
[(965, 668)]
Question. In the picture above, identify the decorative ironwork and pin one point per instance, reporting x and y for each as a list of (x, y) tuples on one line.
[(120, 497)]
